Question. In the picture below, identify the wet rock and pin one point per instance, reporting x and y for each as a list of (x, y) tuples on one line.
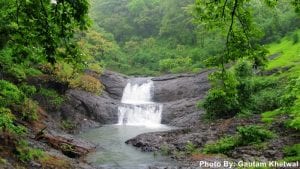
[(86, 110), (173, 140), (102, 109), (114, 83), (176, 87), (179, 95)]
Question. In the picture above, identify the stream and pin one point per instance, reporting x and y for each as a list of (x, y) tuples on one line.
[(113, 153), (137, 115)]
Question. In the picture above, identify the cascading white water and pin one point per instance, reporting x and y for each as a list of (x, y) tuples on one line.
[(137, 107)]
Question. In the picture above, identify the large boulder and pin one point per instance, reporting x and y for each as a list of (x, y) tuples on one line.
[(114, 83), (101, 108), (88, 110)]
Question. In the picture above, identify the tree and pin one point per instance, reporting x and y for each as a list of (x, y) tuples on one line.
[(242, 37), (41, 24)]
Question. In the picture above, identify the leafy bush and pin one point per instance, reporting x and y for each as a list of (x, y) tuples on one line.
[(191, 148), (177, 65), (222, 146), (292, 153), (165, 150), (28, 90), (96, 67), (269, 116), (67, 125), (245, 136), (64, 72), (244, 74), (52, 96), (290, 103), (294, 89), (243, 68), (17, 71), (265, 100), (221, 101), (87, 83), (29, 110), (9, 94), (25, 153), (253, 134), (7, 122), (295, 38)]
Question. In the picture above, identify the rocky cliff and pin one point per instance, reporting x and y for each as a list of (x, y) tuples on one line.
[(178, 94)]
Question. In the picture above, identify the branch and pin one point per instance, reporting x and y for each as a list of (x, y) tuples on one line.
[(17, 3), (223, 9), (244, 27), (229, 32)]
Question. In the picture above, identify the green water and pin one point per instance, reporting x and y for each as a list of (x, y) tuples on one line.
[(113, 153)]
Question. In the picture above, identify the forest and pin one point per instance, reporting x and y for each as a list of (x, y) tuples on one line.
[(51, 49)]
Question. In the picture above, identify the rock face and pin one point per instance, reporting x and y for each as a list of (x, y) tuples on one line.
[(87, 110), (101, 109), (179, 95), (114, 84)]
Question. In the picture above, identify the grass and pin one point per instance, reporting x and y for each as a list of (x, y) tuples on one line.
[(269, 116), (288, 50), (289, 54)]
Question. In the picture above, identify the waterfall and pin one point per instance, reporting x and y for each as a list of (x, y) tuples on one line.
[(137, 107)]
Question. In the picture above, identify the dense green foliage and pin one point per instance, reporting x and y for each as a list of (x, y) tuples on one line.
[(53, 97), (292, 153), (36, 38), (26, 153), (247, 135), (52, 41), (157, 36), (7, 122)]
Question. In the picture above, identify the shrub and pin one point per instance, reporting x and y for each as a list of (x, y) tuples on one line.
[(63, 71), (291, 103), (191, 148), (165, 150), (48, 161), (52, 96), (222, 146), (265, 100), (177, 65), (68, 125), (87, 83), (295, 38), (9, 94), (219, 104), (269, 116), (7, 122), (253, 134), (25, 153), (243, 68), (245, 136), (222, 100), (17, 71), (28, 90), (292, 153), (96, 67), (29, 110)]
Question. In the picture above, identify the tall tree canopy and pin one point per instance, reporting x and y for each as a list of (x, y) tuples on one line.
[(42, 25)]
